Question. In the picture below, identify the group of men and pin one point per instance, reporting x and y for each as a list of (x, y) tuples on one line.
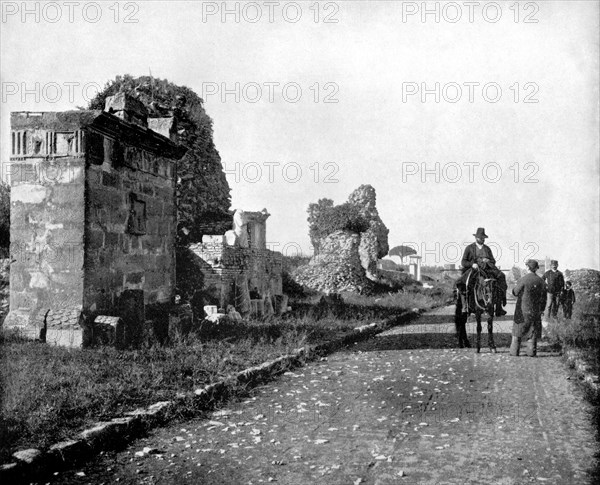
[(532, 291)]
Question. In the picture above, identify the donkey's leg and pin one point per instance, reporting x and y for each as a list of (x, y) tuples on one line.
[(478, 319), (462, 333), (458, 321), (465, 338), (490, 322)]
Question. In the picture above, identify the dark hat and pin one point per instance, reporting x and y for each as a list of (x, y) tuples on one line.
[(553, 262), (532, 264), (480, 232)]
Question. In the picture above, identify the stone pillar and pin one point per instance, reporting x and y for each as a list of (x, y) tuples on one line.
[(415, 266)]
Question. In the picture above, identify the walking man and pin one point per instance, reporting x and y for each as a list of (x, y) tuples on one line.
[(531, 301), (556, 282), (478, 255)]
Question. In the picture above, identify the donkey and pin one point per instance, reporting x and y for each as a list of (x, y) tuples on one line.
[(482, 296)]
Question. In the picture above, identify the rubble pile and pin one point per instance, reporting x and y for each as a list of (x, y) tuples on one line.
[(347, 260), (337, 267)]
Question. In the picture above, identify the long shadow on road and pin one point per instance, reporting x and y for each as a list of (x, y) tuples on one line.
[(435, 331)]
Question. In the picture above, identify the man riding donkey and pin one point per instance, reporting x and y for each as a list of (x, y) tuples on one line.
[(479, 256)]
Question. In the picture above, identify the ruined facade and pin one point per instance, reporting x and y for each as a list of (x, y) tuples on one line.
[(238, 263), (93, 217)]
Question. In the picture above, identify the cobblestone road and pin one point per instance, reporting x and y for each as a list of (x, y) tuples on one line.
[(403, 408)]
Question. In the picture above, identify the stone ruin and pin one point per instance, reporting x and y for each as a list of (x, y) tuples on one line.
[(240, 271), (347, 261), (93, 220)]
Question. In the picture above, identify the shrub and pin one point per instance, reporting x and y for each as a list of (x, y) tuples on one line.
[(4, 219), (328, 219)]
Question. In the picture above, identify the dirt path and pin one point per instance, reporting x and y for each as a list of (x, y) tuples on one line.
[(403, 408)]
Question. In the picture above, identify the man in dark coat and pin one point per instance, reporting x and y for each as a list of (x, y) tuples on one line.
[(478, 255), (556, 283), (531, 301)]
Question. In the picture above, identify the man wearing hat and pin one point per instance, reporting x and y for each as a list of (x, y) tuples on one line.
[(478, 255), (556, 282), (531, 301)]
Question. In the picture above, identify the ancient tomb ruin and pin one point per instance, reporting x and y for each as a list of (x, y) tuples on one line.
[(239, 270), (93, 218)]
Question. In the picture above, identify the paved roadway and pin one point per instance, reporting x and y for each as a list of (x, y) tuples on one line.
[(406, 407)]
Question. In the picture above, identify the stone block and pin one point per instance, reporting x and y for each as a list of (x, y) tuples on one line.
[(217, 240), (152, 414), (165, 229), (101, 436), (127, 108), (111, 179), (155, 279), (67, 194), (152, 226), (29, 456), (112, 239), (153, 208), (108, 331), (24, 300), (165, 194), (94, 177), (152, 243), (68, 452), (94, 240), (169, 209)]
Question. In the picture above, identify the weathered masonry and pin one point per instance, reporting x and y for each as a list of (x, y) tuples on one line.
[(93, 218), (239, 270)]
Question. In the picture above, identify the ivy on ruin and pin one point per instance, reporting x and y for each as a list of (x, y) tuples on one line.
[(203, 194)]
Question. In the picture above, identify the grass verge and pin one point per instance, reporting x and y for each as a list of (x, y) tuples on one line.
[(582, 333), (49, 393)]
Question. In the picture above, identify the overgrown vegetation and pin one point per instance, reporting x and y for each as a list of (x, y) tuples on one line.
[(324, 218), (49, 393), (4, 219), (203, 191), (582, 331)]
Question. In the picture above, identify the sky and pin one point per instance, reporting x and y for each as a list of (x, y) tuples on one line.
[(459, 115)]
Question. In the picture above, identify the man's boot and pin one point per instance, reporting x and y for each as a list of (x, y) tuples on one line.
[(515, 346)]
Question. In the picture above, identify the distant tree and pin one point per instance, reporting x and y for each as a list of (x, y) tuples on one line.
[(203, 191), (4, 219), (402, 251)]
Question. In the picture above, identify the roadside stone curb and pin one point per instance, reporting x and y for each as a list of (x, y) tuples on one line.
[(583, 370), (105, 435)]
